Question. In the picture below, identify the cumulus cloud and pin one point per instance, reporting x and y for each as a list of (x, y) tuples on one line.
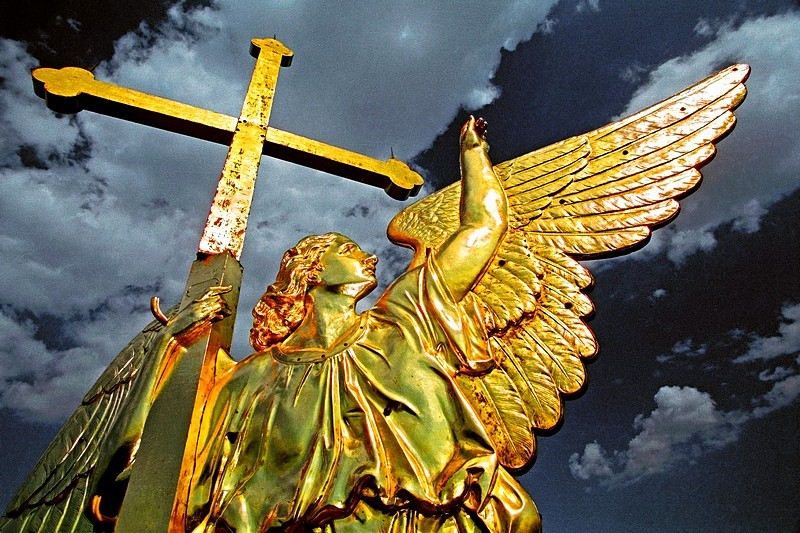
[(684, 425), (749, 217), (775, 374), (686, 422), (784, 393), (41, 380), (684, 243), (689, 348), (759, 162), (684, 349), (786, 342), (593, 462), (100, 214)]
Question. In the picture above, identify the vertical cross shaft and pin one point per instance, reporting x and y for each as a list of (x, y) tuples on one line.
[(158, 490), (226, 223)]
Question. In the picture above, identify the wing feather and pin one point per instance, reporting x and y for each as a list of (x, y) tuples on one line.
[(584, 197), (502, 310), (524, 364), (516, 284), (54, 496), (501, 409)]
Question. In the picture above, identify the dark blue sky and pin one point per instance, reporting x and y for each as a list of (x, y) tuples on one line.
[(668, 323)]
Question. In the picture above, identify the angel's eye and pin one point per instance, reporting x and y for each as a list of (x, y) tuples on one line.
[(347, 248)]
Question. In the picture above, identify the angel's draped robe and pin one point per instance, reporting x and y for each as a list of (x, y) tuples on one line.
[(365, 432)]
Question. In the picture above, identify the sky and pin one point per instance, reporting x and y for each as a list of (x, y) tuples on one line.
[(690, 420)]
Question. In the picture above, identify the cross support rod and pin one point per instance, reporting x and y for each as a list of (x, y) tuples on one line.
[(72, 89), (158, 490)]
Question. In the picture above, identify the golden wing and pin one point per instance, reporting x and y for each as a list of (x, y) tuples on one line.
[(586, 197), (60, 487)]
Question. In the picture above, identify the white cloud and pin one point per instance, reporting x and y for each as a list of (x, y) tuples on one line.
[(658, 294), (704, 28), (25, 121), (547, 26), (587, 5), (782, 394), (592, 463), (775, 374), (482, 96), (367, 78), (749, 218), (633, 73), (686, 348), (115, 211), (686, 423), (44, 383), (683, 244), (759, 162), (786, 342)]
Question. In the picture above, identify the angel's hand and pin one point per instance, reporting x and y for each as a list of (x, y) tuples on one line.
[(473, 134), (201, 313)]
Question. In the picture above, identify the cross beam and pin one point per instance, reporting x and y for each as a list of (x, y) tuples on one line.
[(73, 89)]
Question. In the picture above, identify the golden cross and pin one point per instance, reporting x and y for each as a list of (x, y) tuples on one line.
[(157, 491), (71, 89)]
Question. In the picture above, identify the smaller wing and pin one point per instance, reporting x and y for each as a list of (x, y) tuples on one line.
[(585, 197), (60, 487)]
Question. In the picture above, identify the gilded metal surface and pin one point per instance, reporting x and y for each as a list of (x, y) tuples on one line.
[(71, 89), (227, 220), (346, 409), (409, 416), (93, 441), (585, 197), (157, 489)]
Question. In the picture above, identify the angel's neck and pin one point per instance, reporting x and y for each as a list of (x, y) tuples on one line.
[(329, 317)]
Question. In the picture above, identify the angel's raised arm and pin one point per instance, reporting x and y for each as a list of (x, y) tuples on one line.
[(483, 215)]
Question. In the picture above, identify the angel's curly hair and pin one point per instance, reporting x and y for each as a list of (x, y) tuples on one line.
[(282, 307)]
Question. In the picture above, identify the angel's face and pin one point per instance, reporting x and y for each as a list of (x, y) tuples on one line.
[(347, 269)]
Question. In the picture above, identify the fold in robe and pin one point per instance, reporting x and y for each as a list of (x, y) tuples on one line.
[(302, 437)]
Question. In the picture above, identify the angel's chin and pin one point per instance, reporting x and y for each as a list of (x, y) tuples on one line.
[(368, 287)]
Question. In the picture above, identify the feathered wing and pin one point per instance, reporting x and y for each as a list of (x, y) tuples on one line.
[(585, 197), (59, 488)]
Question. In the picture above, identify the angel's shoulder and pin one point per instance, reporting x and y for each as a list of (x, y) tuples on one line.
[(405, 289)]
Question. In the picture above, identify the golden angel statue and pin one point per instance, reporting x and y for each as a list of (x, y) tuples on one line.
[(414, 415)]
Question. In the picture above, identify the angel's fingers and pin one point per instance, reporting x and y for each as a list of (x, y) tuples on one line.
[(480, 127), (211, 307), (221, 311), (216, 291)]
